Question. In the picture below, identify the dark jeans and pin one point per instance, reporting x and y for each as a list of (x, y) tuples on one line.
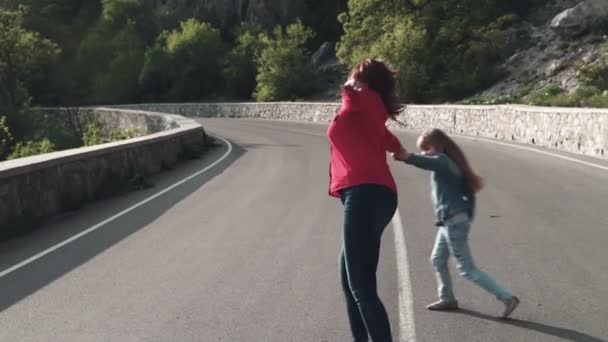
[(368, 209)]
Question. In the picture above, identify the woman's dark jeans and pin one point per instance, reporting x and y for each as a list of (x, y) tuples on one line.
[(368, 209)]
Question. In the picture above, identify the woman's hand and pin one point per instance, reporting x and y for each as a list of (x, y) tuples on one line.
[(352, 84), (402, 155)]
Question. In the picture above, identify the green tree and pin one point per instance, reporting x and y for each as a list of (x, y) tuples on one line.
[(284, 70), (23, 53), (240, 70), (109, 59), (185, 64), (118, 82), (444, 49), (118, 14), (64, 22)]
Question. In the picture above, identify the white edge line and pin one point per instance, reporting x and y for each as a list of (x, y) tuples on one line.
[(574, 160), (112, 218), (470, 137), (407, 328)]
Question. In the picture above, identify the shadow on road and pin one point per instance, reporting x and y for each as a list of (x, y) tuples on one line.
[(25, 281), (567, 334)]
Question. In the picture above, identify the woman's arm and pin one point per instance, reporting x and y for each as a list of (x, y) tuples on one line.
[(357, 98), (351, 101), (393, 144), (377, 118)]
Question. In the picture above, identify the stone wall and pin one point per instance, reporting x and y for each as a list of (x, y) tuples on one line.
[(112, 119), (35, 188), (297, 111), (577, 130)]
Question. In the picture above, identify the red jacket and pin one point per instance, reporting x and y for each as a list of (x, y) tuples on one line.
[(359, 140)]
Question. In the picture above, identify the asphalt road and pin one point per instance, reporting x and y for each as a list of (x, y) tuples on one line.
[(247, 251)]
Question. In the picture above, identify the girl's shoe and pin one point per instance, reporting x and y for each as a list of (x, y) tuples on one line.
[(443, 306), (510, 306)]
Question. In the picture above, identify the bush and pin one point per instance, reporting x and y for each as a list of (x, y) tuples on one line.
[(6, 138), (284, 68), (184, 64), (125, 134), (584, 96), (32, 148), (93, 134), (594, 76), (596, 101), (544, 96), (240, 70)]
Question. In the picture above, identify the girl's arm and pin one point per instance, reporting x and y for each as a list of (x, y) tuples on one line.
[(436, 162)]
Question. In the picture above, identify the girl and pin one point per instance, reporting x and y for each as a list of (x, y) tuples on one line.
[(361, 178), (453, 184)]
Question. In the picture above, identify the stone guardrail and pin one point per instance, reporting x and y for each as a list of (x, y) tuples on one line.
[(577, 130), (35, 188)]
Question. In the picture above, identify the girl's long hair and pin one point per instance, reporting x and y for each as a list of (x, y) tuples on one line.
[(381, 77), (444, 144)]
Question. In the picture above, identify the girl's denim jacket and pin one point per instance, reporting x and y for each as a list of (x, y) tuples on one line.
[(450, 193)]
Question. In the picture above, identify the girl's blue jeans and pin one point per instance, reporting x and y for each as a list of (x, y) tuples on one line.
[(453, 238)]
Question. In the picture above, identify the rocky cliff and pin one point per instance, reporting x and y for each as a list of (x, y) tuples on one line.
[(555, 41)]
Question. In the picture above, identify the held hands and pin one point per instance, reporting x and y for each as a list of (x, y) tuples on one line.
[(402, 155)]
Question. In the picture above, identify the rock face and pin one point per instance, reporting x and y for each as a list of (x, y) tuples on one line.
[(331, 74), (326, 52), (550, 55), (576, 20), (267, 13)]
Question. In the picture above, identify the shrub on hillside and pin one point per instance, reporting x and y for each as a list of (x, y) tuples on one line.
[(284, 68), (240, 70), (32, 148), (93, 134), (6, 138), (594, 76), (185, 64)]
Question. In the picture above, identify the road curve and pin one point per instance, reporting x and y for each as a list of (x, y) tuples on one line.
[(247, 251)]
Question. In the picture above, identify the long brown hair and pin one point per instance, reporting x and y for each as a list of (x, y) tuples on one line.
[(381, 77), (444, 144)]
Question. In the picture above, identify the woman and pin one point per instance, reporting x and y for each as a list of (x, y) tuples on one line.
[(361, 178)]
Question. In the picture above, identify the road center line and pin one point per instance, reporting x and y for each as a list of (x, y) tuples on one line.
[(407, 329), (120, 214)]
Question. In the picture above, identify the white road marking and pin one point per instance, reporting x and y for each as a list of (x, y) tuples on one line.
[(578, 161), (112, 218), (407, 329)]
